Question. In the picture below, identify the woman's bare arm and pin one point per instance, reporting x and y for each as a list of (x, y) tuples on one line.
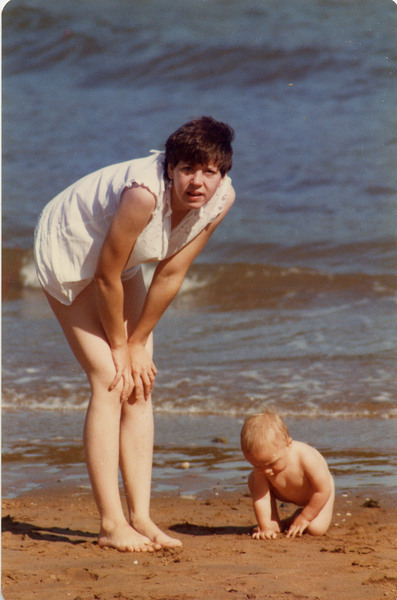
[(135, 210), (168, 278), (166, 282)]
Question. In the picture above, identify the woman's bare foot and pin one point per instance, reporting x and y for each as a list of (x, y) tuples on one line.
[(125, 538), (149, 529)]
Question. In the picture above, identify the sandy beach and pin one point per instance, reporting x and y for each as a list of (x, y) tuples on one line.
[(50, 551)]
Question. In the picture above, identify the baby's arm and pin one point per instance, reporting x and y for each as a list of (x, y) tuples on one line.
[(317, 473), (264, 507)]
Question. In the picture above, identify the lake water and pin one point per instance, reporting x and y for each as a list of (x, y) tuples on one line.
[(293, 303)]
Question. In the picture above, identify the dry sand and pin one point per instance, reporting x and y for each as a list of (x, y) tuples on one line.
[(50, 552)]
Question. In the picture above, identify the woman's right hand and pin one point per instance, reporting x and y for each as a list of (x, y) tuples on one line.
[(143, 370), (136, 369), (122, 363)]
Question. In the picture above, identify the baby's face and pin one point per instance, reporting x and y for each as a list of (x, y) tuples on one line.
[(271, 460)]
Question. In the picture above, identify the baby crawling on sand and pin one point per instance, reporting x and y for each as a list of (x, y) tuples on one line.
[(289, 471)]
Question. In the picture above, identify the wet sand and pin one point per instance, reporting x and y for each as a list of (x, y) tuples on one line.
[(50, 551)]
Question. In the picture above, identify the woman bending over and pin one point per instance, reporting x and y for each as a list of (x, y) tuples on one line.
[(89, 244)]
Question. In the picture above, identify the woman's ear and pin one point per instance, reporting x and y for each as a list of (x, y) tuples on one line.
[(170, 172)]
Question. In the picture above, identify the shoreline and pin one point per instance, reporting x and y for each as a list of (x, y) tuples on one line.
[(359, 453), (50, 550)]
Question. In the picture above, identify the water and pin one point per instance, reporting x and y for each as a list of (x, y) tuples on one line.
[(292, 305)]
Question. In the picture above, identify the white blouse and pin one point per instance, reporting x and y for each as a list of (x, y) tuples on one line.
[(72, 227)]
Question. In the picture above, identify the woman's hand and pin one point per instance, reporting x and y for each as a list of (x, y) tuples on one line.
[(135, 368), (122, 362), (143, 370)]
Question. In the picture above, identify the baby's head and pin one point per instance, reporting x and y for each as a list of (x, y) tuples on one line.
[(263, 433)]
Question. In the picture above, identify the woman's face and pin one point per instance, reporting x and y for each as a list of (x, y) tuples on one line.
[(193, 185)]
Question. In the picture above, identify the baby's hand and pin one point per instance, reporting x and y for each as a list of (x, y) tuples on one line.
[(266, 534), (298, 526)]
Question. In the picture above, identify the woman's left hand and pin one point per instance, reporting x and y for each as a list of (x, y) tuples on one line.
[(143, 370)]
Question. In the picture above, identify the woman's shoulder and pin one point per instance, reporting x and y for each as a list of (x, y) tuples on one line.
[(138, 196), (144, 170), (148, 173)]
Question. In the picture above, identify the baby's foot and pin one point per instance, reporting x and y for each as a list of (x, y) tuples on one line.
[(155, 534), (125, 539)]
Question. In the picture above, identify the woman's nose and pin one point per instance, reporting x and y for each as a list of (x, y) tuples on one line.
[(197, 177)]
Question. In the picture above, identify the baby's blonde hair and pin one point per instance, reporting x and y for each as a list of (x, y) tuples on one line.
[(262, 430)]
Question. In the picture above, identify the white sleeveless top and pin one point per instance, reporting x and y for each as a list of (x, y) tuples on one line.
[(72, 227)]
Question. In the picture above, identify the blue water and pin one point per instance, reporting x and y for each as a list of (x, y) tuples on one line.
[(292, 304)]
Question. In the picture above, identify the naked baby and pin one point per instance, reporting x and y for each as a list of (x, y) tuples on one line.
[(286, 470)]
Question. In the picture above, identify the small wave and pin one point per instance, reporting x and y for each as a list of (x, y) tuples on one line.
[(237, 286), (201, 405), (20, 272), (309, 413), (40, 39), (313, 390)]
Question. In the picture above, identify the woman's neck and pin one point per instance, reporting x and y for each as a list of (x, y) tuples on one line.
[(177, 217)]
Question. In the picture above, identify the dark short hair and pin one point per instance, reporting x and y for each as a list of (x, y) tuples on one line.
[(200, 142)]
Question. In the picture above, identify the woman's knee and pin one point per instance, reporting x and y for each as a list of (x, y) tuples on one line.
[(134, 405), (100, 379)]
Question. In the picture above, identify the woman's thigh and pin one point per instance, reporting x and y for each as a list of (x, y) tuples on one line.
[(84, 332)]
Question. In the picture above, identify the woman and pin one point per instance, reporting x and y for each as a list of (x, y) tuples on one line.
[(89, 244)]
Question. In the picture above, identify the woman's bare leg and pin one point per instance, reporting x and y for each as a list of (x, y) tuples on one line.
[(83, 330), (136, 439)]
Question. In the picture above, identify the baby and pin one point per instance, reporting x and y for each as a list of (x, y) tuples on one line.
[(289, 471)]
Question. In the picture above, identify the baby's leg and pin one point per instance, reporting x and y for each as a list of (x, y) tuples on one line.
[(321, 523)]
